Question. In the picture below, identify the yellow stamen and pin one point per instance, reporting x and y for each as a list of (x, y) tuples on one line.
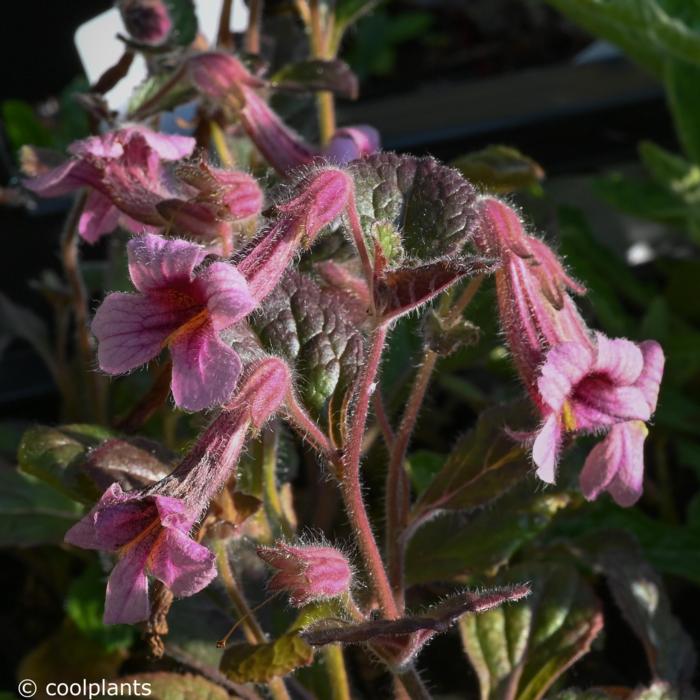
[(188, 327), (568, 417)]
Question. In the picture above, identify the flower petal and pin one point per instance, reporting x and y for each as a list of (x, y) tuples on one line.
[(545, 449), (650, 379), (182, 564), (606, 400), (126, 601), (85, 533), (173, 513), (167, 146), (131, 330), (617, 464), (351, 143), (205, 369), (64, 178), (566, 364), (226, 292), (99, 217), (156, 262), (618, 358)]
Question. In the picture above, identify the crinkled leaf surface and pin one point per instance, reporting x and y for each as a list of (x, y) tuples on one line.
[(184, 19), (31, 512), (641, 596), (82, 460), (483, 465), (259, 663), (313, 329), (454, 546), (179, 686), (431, 204), (519, 650)]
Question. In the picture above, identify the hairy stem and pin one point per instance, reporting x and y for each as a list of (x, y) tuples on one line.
[(335, 667), (350, 479), (397, 488), (413, 684), (79, 299), (358, 236), (308, 429)]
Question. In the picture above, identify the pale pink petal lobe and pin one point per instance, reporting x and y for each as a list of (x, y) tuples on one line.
[(545, 449), (650, 379), (618, 358), (156, 262), (131, 330), (126, 601), (566, 364), (205, 369)]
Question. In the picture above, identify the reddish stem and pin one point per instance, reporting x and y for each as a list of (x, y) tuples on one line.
[(350, 480)]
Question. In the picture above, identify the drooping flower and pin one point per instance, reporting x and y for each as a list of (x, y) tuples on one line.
[(132, 184), (149, 529), (581, 381), (182, 306), (307, 572), (125, 175), (223, 78)]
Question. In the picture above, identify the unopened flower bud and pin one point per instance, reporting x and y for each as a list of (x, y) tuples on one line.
[(217, 75), (263, 390), (307, 572), (147, 21)]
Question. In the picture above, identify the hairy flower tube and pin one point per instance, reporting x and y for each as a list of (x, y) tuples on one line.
[(581, 381), (149, 529), (130, 185), (223, 78), (183, 304), (307, 572)]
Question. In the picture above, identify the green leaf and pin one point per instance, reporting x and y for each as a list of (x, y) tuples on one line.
[(453, 547), (483, 465), (641, 596), (165, 685), (84, 604), (159, 92), (430, 204), (422, 466), (346, 13), (32, 513), (335, 76), (260, 663), (314, 330), (23, 126), (84, 460), (56, 456), (500, 169), (519, 650), (682, 81), (184, 19)]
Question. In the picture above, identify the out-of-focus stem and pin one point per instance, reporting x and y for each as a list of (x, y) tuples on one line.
[(251, 627), (224, 38), (324, 99), (464, 299), (351, 487), (222, 150), (335, 666), (413, 684), (383, 418), (252, 35), (71, 268), (272, 497), (397, 487), (156, 396)]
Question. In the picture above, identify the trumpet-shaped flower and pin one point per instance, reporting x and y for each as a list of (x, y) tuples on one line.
[(581, 381), (180, 306), (149, 529)]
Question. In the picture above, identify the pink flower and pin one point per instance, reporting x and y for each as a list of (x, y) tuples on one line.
[(149, 529), (132, 185), (150, 535), (307, 572), (180, 306), (581, 382), (223, 78), (125, 174), (601, 385)]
